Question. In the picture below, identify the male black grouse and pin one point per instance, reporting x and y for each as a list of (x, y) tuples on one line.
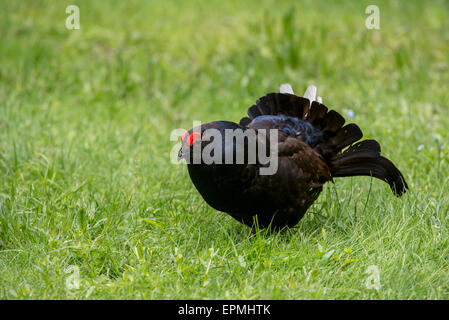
[(314, 147)]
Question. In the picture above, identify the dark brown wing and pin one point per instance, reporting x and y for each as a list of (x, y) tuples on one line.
[(309, 164), (305, 164), (283, 198)]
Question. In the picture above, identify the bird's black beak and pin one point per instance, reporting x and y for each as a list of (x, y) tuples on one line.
[(180, 154)]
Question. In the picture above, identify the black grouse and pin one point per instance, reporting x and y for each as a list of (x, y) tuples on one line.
[(313, 147)]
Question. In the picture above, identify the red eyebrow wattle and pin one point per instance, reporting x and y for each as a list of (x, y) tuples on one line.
[(193, 137)]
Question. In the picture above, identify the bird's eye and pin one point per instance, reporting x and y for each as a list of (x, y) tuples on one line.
[(183, 136), (193, 137)]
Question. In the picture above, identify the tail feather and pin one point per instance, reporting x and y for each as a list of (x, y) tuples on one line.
[(364, 159), (359, 159), (362, 149), (317, 113), (343, 137), (332, 122), (280, 103), (346, 136)]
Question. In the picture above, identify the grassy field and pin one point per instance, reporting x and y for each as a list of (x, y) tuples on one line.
[(87, 187)]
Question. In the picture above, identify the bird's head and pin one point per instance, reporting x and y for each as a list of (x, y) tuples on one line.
[(194, 140), (188, 139)]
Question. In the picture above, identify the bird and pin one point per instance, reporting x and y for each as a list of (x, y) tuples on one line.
[(314, 146)]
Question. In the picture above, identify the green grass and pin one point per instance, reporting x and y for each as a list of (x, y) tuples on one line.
[(86, 181)]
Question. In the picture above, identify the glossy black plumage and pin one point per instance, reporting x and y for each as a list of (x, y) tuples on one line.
[(314, 147)]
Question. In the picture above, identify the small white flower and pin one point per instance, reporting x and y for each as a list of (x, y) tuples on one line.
[(420, 147)]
